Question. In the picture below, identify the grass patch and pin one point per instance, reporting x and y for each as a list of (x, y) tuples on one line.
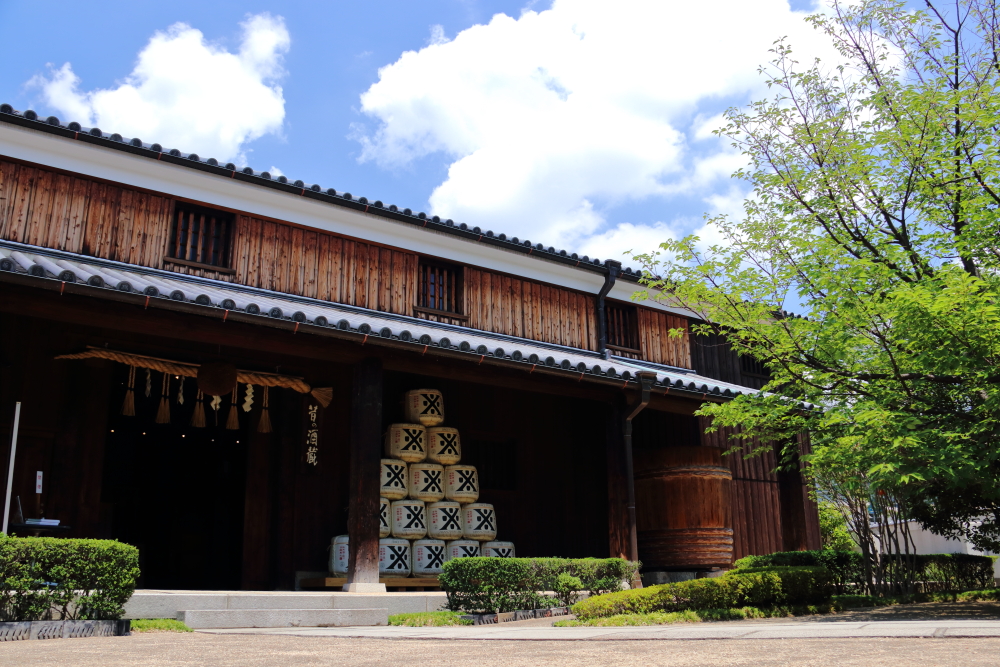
[(429, 619), (701, 615), (842, 602), (158, 625)]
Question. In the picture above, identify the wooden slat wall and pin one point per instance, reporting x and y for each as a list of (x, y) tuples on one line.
[(516, 307), (53, 210), (656, 343), (319, 265)]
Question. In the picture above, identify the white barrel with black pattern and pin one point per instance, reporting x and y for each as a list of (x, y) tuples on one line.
[(444, 520), (461, 483), (408, 519), (406, 442), (428, 557), (425, 481), (479, 522), (384, 524), (424, 406), (461, 549), (394, 557), (393, 479), (340, 555), (497, 549), (444, 445)]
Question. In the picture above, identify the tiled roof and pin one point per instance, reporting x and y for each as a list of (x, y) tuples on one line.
[(155, 151), (260, 306)]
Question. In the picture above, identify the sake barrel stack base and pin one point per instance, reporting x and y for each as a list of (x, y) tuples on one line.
[(683, 511)]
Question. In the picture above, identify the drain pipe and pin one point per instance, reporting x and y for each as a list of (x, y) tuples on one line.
[(614, 268), (646, 380)]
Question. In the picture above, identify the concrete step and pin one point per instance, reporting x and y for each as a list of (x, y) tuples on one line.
[(148, 603), (198, 619)]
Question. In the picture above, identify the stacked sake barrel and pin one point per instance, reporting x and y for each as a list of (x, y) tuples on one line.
[(428, 509)]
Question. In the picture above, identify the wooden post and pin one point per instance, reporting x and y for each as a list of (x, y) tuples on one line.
[(618, 528), (363, 519), (792, 500)]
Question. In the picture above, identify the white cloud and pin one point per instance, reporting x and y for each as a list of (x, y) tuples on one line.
[(187, 93), (552, 119)]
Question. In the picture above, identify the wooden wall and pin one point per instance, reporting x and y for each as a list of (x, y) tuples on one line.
[(656, 343), (45, 208), (319, 265), (516, 307)]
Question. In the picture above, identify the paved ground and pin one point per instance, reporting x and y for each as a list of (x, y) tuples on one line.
[(930, 634), (186, 650)]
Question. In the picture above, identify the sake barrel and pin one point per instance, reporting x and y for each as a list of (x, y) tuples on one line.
[(428, 557), (444, 520), (408, 519), (461, 549), (393, 557), (424, 406), (479, 522), (406, 442), (498, 550), (444, 445), (393, 479), (384, 526), (461, 483), (683, 510), (339, 555), (425, 481)]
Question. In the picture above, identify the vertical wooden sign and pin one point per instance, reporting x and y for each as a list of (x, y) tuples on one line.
[(313, 426)]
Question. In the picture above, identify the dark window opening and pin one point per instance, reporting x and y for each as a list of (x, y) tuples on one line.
[(440, 288), (201, 236), (623, 327), (751, 366)]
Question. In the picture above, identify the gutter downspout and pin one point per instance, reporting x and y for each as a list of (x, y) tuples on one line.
[(614, 268), (646, 380)]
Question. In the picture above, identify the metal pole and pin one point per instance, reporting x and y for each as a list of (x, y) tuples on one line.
[(10, 466)]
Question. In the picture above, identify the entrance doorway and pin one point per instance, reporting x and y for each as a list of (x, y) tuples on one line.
[(173, 490)]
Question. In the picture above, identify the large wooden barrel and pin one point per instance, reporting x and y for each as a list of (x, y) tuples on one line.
[(683, 511)]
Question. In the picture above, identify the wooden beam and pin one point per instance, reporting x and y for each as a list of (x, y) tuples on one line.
[(365, 442), (618, 526)]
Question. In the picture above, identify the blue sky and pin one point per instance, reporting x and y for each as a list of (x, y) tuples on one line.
[(579, 124)]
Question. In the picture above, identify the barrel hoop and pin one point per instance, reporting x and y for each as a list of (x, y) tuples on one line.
[(686, 471)]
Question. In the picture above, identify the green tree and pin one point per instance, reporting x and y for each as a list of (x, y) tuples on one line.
[(874, 216), (833, 530)]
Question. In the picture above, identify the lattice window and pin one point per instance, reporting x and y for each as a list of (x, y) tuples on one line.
[(440, 288), (201, 236), (623, 328)]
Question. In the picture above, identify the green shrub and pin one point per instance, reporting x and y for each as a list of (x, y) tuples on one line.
[(846, 567), (486, 585), (948, 572), (758, 587), (45, 577)]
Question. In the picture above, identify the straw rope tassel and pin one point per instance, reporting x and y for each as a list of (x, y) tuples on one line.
[(233, 421), (198, 417), (163, 414), (180, 392), (128, 407), (264, 425)]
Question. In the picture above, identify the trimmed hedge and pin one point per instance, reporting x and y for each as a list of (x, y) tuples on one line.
[(486, 585), (942, 572), (757, 587), (846, 567), (46, 577)]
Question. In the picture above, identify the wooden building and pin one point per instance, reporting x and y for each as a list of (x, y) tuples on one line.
[(125, 267)]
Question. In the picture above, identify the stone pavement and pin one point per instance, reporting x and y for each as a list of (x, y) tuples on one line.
[(679, 631), (196, 649)]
